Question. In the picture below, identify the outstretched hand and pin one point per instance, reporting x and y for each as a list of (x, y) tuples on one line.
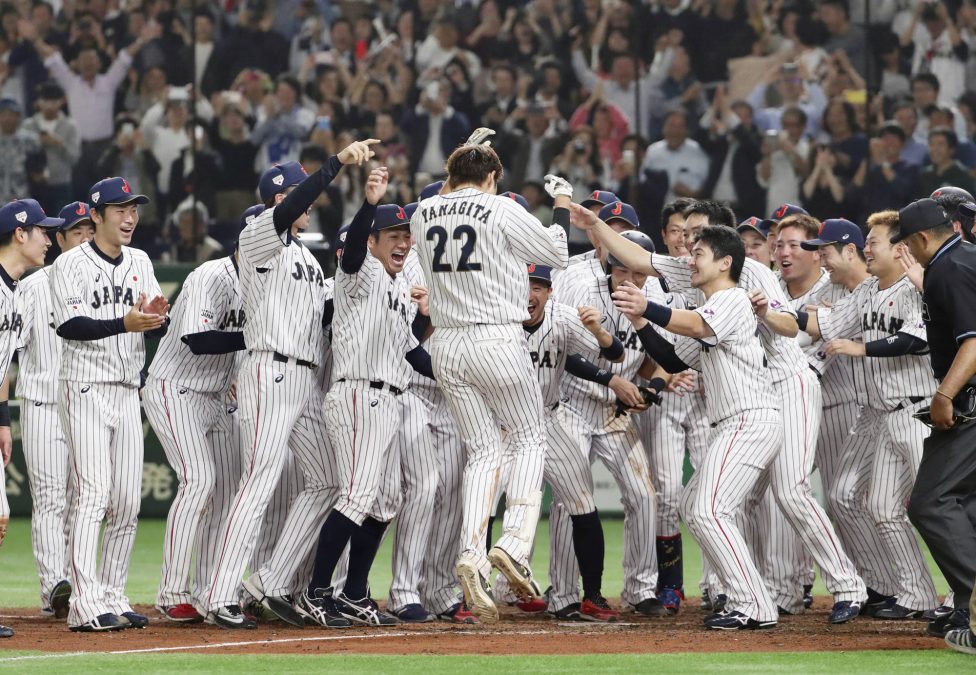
[(582, 217), (376, 185), (358, 152), (139, 321)]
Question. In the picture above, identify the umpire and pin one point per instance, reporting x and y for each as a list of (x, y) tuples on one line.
[(943, 500)]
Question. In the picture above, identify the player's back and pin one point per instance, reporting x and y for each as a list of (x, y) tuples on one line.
[(473, 248), (40, 358)]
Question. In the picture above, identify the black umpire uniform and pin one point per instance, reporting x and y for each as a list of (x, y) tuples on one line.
[(943, 500)]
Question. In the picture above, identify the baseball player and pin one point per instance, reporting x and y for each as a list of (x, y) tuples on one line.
[(370, 372), (585, 267), (24, 242), (615, 440), (754, 233), (719, 338), (104, 297), (45, 448), (284, 298), (798, 389), (473, 247), (885, 314), (186, 400)]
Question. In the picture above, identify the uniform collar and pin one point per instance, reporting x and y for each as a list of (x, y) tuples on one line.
[(10, 282), (233, 261), (942, 249), (104, 256)]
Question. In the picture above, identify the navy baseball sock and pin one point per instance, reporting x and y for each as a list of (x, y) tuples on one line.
[(333, 537), (491, 523), (589, 546), (363, 546), (669, 563)]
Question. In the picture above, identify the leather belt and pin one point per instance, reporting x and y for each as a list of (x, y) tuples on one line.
[(281, 358), (912, 400), (376, 384)]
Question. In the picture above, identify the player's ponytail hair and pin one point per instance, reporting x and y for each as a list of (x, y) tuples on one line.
[(473, 164)]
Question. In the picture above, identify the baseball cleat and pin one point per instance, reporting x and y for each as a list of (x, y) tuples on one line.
[(60, 599), (181, 613), (807, 596), (943, 625), (718, 604), (939, 612), (519, 576), (320, 609), (844, 611), (101, 623), (414, 613), (733, 620), (458, 613), (531, 606), (570, 612), (231, 617), (671, 598), (706, 602), (364, 611), (477, 592), (281, 607), (962, 640), (650, 607), (897, 612), (131, 619), (6, 631), (597, 609)]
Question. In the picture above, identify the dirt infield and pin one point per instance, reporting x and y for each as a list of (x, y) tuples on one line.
[(515, 634)]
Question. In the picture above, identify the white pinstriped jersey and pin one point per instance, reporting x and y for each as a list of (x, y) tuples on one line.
[(323, 374), (731, 362), (783, 354), (838, 373), (594, 401), (371, 330), (474, 248), (588, 259), (559, 334), (11, 321), (871, 313), (420, 384), (582, 272), (85, 282), (39, 345), (284, 291), (210, 300)]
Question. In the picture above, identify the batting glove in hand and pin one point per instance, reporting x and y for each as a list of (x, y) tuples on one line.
[(480, 136), (558, 187), (650, 396)]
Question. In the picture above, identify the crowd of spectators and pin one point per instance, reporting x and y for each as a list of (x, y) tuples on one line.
[(843, 107)]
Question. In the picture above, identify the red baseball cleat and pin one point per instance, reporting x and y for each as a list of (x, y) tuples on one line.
[(532, 606), (597, 609), (182, 613)]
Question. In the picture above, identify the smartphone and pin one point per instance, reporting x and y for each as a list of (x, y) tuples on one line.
[(324, 59)]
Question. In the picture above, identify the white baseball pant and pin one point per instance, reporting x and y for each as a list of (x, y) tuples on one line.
[(46, 455), (202, 444), (102, 424)]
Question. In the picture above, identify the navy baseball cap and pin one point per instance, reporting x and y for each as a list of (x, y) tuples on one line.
[(24, 213), (114, 190), (10, 104), (516, 197), (250, 212), (758, 225), (540, 273), (74, 213), (280, 177), (389, 216), (601, 197), (619, 210), (340, 240), (835, 231), (920, 215), (410, 209), (431, 190), (784, 211)]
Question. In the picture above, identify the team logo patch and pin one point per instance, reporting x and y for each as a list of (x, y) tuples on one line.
[(125, 186), (96, 196), (81, 210), (708, 311), (845, 237), (84, 390), (279, 378), (37, 404), (531, 268), (278, 180), (231, 409), (183, 391), (780, 212), (373, 403), (822, 355), (617, 208), (21, 217), (775, 304)]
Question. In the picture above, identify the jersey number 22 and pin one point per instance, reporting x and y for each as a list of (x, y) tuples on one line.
[(469, 236)]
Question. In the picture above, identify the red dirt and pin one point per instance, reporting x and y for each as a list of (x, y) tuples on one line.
[(515, 634)]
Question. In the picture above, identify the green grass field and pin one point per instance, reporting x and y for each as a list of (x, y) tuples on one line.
[(18, 588)]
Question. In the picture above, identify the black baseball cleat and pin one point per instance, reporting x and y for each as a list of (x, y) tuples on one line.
[(898, 612), (808, 595), (364, 611), (100, 624), (131, 619), (570, 612), (61, 599), (6, 632), (319, 609), (651, 607), (414, 613), (733, 620), (279, 606), (844, 611), (942, 626)]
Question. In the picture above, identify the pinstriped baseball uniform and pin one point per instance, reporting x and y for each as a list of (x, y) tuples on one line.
[(10, 325), (98, 403), (897, 387), (284, 298), (593, 431), (473, 249), (789, 474), (186, 402), (45, 448), (742, 407)]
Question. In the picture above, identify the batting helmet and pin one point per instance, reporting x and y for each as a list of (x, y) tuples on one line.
[(952, 199), (638, 238)]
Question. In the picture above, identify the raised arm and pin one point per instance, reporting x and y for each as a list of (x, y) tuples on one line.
[(631, 255)]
